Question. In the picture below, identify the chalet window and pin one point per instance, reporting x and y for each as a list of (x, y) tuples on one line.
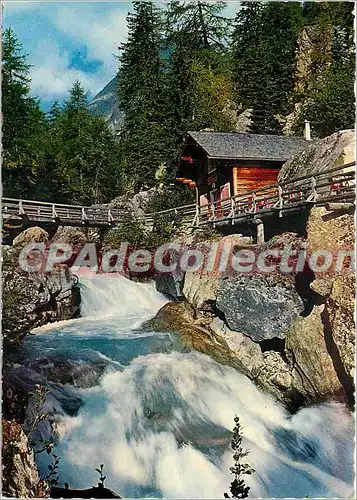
[(212, 166)]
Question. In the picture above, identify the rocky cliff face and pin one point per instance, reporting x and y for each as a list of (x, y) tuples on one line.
[(20, 477), (106, 104), (33, 299)]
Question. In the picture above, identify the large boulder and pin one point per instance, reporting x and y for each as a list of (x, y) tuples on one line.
[(200, 288), (70, 235), (213, 337), (307, 346), (135, 206), (262, 307), (31, 235), (34, 299), (319, 156)]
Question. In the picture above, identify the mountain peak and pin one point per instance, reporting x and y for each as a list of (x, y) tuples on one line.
[(106, 104)]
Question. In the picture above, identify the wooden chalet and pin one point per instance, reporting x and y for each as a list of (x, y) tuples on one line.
[(222, 165)]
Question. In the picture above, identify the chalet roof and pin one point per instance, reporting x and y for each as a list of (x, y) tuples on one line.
[(249, 146)]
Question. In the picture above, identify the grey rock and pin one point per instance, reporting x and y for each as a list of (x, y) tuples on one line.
[(70, 235), (321, 155), (170, 284), (261, 307), (34, 299), (136, 206)]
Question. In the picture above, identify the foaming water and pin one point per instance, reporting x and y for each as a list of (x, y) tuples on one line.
[(113, 295), (160, 419)]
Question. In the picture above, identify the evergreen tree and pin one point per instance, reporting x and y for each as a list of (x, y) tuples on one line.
[(140, 90), (84, 152), (24, 124), (246, 53), (198, 83), (201, 23), (263, 48)]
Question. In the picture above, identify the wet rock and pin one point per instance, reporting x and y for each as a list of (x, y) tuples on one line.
[(31, 235), (170, 284), (263, 307), (173, 315), (75, 372)]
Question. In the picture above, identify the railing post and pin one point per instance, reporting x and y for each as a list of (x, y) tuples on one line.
[(313, 189), (254, 202), (110, 217), (84, 215), (196, 220), (213, 214), (232, 210), (21, 208), (54, 213), (281, 200)]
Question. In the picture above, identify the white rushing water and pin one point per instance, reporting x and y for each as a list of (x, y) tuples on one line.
[(160, 419)]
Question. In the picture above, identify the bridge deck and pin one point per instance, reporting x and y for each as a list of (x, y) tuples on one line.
[(335, 185)]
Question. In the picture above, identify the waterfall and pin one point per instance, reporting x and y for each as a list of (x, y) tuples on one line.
[(115, 295), (160, 419)]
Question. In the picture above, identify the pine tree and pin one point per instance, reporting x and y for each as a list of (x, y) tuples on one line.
[(238, 487), (83, 150), (198, 83), (24, 123), (202, 23), (140, 90), (246, 53), (263, 48)]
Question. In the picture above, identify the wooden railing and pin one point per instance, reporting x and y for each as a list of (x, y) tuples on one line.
[(335, 185)]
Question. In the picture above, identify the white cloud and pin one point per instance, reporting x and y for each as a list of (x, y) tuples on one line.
[(52, 77), (101, 31)]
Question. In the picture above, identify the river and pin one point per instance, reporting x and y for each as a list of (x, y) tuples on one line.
[(160, 418)]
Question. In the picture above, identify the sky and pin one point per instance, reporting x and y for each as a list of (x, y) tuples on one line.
[(67, 41)]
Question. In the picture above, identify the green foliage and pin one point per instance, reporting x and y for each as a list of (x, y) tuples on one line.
[(83, 152), (332, 102), (181, 69), (170, 198), (140, 91), (24, 124), (328, 91), (197, 81), (53, 477), (67, 156), (132, 231), (202, 24), (264, 43), (238, 487)]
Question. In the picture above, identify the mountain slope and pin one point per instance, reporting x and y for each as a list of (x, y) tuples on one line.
[(106, 104)]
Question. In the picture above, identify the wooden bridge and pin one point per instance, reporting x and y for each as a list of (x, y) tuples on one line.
[(334, 187)]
